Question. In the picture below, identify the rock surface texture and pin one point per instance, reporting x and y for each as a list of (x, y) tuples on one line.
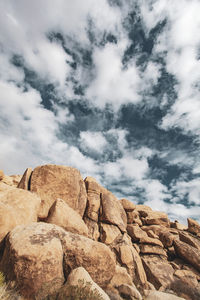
[(57, 229)]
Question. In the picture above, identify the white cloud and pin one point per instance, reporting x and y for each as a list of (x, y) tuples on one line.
[(191, 189), (94, 141)]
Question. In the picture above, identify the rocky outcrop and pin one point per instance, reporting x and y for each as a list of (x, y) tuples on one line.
[(128, 250)]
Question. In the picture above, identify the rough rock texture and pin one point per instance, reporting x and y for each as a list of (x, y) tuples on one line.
[(188, 253), (93, 229), (80, 274), (37, 266), (193, 226), (112, 211), (120, 277), (93, 197), (1, 174), (127, 205), (95, 257), (17, 207), (51, 182), (129, 291), (64, 216), (155, 218), (159, 271), (108, 233), (25, 180)]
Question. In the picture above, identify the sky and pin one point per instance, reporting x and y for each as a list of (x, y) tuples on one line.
[(111, 87)]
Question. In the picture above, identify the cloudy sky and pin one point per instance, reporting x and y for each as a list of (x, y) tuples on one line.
[(111, 87)]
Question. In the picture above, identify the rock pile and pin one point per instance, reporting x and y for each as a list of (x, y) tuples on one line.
[(56, 228)]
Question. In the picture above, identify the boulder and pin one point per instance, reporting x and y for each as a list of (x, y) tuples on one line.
[(182, 250), (80, 276), (189, 239), (93, 229), (17, 207), (129, 292), (152, 249), (159, 272), (127, 205), (93, 198), (138, 235), (193, 226), (133, 217), (112, 211), (1, 174), (120, 277), (142, 209), (178, 225), (33, 258), (95, 257), (156, 295), (166, 238), (108, 233), (63, 215), (155, 218), (25, 180), (51, 182)]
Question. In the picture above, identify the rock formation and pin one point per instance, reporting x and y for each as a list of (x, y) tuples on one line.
[(57, 229)]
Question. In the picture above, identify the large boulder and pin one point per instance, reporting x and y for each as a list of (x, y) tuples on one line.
[(95, 257), (80, 277), (155, 218), (193, 226), (109, 233), (159, 271), (112, 211), (51, 182), (63, 215), (188, 253), (17, 207), (189, 239), (93, 197), (33, 258)]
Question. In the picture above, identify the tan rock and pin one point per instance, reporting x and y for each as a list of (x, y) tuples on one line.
[(127, 205), (133, 217), (193, 226), (157, 229), (159, 272), (63, 215), (51, 182), (151, 234), (178, 225), (17, 207), (138, 235), (4, 187), (25, 180), (33, 257), (156, 295), (152, 249), (80, 274), (95, 257), (93, 229), (15, 179), (108, 233), (182, 250), (113, 212), (129, 291), (167, 238), (1, 174), (93, 196), (142, 209), (188, 276), (121, 277), (156, 218), (189, 239)]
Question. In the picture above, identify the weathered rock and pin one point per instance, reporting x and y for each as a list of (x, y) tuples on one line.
[(93, 229), (188, 276), (155, 218), (189, 239), (166, 238), (112, 211), (142, 209), (127, 205), (152, 249), (182, 249), (51, 182), (138, 235), (185, 287), (63, 215), (108, 233), (157, 229), (159, 272), (133, 217), (95, 257), (151, 234), (80, 274), (121, 277), (17, 207), (156, 295), (193, 226), (1, 174), (25, 180), (178, 225), (33, 257), (129, 291), (93, 197)]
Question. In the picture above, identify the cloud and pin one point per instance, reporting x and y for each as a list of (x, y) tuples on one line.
[(94, 141)]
